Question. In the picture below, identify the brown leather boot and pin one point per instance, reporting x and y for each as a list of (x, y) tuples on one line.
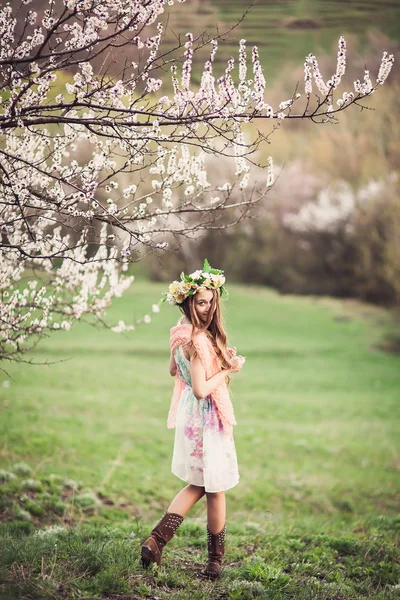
[(162, 533), (216, 551)]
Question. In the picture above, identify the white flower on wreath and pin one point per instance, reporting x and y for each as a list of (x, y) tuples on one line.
[(171, 300), (217, 280), (196, 274), (173, 288), (180, 298), (184, 287)]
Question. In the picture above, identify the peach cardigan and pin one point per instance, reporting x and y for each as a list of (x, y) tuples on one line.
[(182, 335)]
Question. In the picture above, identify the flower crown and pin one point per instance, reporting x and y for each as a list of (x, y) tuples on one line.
[(203, 279)]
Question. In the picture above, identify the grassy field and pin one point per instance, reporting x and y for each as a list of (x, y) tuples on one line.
[(85, 448)]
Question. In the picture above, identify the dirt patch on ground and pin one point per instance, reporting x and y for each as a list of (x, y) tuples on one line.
[(390, 344), (300, 24)]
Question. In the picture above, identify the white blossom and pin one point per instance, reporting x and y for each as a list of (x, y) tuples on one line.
[(270, 172), (153, 85), (189, 190), (307, 78), (385, 68), (321, 85), (334, 206)]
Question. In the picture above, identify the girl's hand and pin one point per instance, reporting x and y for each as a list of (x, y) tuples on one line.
[(232, 351), (238, 362)]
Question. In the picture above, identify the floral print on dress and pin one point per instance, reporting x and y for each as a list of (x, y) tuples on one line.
[(192, 432), (204, 453)]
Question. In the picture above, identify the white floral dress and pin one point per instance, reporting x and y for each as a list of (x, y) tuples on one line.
[(204, 453)]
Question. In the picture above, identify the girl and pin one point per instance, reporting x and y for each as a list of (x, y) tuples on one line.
[(201, 411)]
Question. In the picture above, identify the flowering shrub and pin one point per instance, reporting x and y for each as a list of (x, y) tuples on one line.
[(329, 239), (66, 220)]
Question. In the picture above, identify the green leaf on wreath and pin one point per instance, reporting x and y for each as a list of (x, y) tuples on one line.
[(206, 266)]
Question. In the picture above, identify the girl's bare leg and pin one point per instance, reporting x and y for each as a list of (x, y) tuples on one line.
[(216, 511), (185, 499)]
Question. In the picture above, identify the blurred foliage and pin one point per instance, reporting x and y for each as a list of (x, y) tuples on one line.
[(360, 257), (376, 251), (363, 263)]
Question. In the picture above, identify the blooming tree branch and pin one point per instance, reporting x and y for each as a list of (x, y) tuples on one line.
[(96, 165)]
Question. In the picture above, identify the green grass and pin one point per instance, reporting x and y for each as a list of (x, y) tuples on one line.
[(315, 514)]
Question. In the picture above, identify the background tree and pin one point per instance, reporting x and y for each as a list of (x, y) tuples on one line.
[(103, 161)]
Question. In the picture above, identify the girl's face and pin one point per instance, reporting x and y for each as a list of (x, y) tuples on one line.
[(204, 304)]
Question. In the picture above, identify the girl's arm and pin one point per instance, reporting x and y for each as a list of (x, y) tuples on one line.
[(202, 387), (172, 365)]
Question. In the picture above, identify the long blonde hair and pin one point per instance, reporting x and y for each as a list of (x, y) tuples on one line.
[(213, 327)]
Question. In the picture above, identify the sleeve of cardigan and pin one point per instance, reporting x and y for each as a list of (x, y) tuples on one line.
[(180, 335), (203, 349)]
